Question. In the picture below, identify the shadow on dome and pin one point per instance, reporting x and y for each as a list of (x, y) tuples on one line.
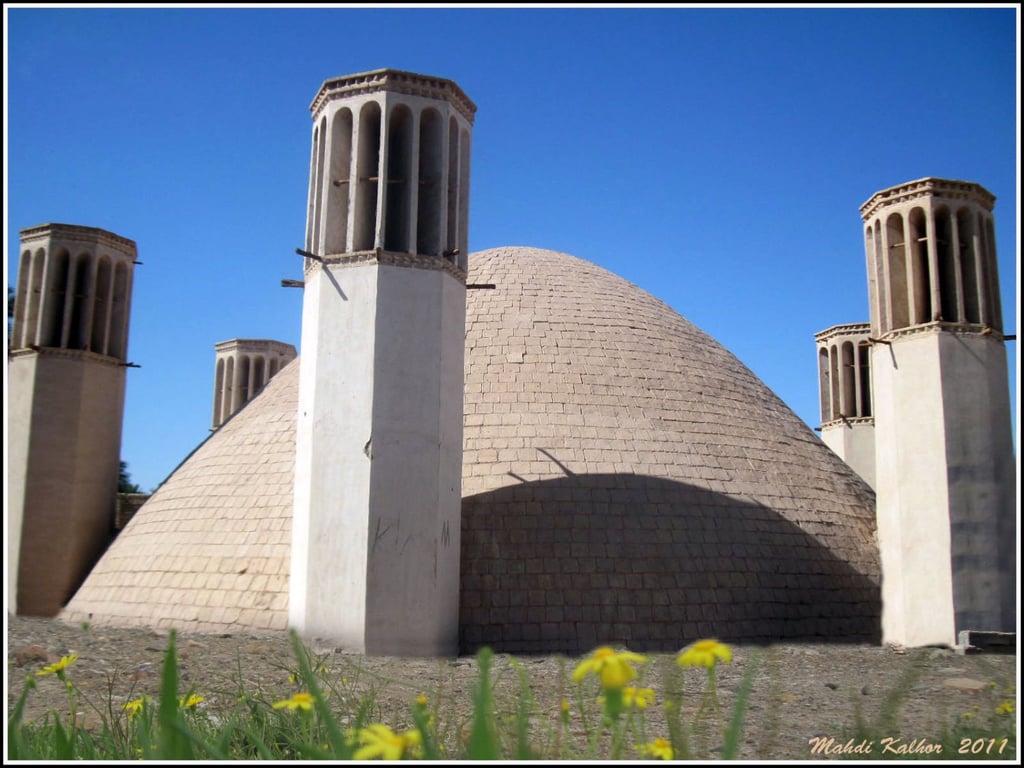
[(569, 564)]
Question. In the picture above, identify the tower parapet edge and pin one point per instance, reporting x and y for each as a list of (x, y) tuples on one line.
[(412, 260), (395, 81), (841, 330), (949, 189), (76, 232)]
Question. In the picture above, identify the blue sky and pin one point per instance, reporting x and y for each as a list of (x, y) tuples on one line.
[(716, 157)]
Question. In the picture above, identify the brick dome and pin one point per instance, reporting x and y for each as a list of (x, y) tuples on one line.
[(625, 479)]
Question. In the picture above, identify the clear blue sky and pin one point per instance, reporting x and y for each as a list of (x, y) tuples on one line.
[(715, 157)]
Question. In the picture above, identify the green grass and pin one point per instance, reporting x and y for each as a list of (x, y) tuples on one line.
[(339, 716)]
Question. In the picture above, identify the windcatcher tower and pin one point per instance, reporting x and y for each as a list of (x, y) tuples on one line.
[(66, 408), (242, 369), (376, 528), (844, 373), (945, 470)]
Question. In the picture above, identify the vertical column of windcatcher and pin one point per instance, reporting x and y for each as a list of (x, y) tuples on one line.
[(242, 368), (375, 535), (67, 385), (847, 416), (944, 455)]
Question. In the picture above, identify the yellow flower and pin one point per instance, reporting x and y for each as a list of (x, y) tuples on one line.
[(565, 710), (379, 741), (190, 702), (298, 701), (1006, 708), (133, 707), (632, 696), (659, 748), (60, 666), (705, 653), (421, 700), (613, 668), (640, 698)]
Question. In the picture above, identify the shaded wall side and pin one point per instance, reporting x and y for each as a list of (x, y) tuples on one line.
[(70, 479), (565, 565), (982, 481)]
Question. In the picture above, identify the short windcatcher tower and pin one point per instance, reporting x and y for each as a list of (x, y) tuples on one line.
[(66, 408), (242, 369), (945, 472), (844, 373), (378, 475)]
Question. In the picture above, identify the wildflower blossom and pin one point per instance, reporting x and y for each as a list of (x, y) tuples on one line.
[(421, 700), (191, 701), (299, 700), (133, 707), (379, 741), (640, 698), (632, 696), (58, 667), (613, 668), (659, 748), (704, 653), (1006, 708)]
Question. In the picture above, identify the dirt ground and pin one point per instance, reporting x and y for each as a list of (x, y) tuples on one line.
[(801, 695)]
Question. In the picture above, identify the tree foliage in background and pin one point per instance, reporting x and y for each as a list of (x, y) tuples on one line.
[(124, 481)]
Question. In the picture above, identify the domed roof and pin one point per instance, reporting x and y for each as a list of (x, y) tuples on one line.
[(625, 479)]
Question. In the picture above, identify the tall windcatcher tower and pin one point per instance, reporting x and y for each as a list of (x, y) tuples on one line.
[(945, 472), (378, 474), (66, 407)]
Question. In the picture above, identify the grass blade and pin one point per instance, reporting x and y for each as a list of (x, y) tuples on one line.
[(172, 734), (735, 729), (483, 742)]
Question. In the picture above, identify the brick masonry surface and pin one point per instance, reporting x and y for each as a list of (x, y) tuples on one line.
[(625, 480)]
